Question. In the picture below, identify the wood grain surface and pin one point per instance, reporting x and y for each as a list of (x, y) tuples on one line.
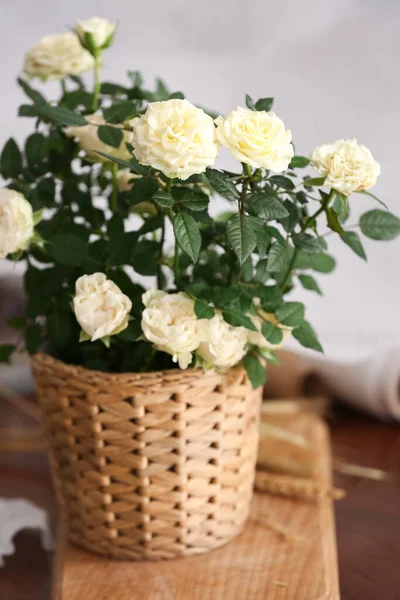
[(260, 564)]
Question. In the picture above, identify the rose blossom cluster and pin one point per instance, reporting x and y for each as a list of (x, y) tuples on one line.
[(168, 321)]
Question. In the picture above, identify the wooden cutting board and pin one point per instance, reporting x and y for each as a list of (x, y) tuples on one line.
[(258, 565)]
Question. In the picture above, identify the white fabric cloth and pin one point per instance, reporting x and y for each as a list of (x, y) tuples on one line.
[(16, 515)]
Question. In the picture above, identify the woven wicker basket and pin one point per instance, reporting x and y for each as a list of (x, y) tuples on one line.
[(150, 466)]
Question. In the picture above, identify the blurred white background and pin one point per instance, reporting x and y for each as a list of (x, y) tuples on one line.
[(332, 68)]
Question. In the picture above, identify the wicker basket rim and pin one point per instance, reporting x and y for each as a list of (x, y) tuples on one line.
[(41, 358)]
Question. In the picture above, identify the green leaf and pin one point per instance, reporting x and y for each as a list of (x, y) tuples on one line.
[(333, 220), (68, 249), (132, 333), (195, 201), (120, 111), (33, 335), (314, 181), (5, 352), (380, 225), (33, 94), (164, 199), (10, 160), (237, 319), (262, 274), (221, 184), (59, 327), (263, 243), (203, 310), (272, 333), (309, 283), (255, 371), (307, 337), (144, 257), (35, 149), (321, 262), (278, 257), (241, 237), (111, 136), (291, 314), (60, 115), (250, 102), (264, 104), (266, 206), (299, 162), (133, 165), (306, 242), (352, 239), (188, 235), (283, 182)]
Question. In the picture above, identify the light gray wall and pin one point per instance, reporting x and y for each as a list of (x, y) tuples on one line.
[(332, 67)]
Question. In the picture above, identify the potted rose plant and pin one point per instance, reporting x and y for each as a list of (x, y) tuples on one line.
[(150, 391)]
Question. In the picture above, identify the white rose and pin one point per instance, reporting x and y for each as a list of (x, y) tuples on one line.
[(100, 31), (225, 345), (57, 56), (347, 166), (101, 309), (256, 338), (175, 137), (170, 323), (90, 142), (257, 138), (16, 222)]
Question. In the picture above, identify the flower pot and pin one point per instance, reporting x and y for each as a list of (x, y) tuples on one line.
[(150, 465)]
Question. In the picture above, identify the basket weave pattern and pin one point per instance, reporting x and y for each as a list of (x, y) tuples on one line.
[(150, 465)]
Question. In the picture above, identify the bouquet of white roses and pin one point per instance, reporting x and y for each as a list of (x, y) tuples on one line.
[(97, 156)]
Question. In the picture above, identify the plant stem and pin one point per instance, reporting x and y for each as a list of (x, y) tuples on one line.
[(159, 265), (96, 87), (176, 263), (114, 193), (290, 269), (63, 87), (324, 204)]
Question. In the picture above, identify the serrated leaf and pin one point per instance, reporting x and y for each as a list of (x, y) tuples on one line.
[(60, 115), (277, 258), (5, 352), (263, 243), (67, 249), (314, 181), (164, 199), (262, 274), (306, 242), (380, 225), (291, 314), (188, 235), (221, 184), (203, 310), (299, 162), (283, 182), (255, 371), (195, 201), (352, 239), (241, 237), (111, 136), (307, 337), (272, 333), (10, 160), (321, 262), (35, 149), (264, 104), (309, 283), (33, 94), (237, 319), (250, 102), (120, 111), (266, 206)]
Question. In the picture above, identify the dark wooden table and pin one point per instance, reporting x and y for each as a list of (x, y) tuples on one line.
[(368, 519)]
